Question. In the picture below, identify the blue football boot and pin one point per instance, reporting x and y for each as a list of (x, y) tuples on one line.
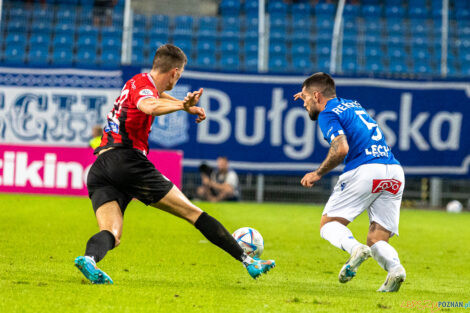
[(88, 267), (259, 267)]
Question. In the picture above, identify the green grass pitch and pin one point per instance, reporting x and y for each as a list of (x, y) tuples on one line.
[(166, 265)]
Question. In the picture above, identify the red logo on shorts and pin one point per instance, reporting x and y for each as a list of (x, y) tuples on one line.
[(390, 185)]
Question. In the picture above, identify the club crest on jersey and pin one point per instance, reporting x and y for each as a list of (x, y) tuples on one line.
[(111, 126), (390, 185), (146, 92)]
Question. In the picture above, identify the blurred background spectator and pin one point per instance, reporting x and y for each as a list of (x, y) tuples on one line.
[(219, 185), (96, 133)]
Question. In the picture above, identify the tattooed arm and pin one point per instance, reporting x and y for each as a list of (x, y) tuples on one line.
[(338, 150)]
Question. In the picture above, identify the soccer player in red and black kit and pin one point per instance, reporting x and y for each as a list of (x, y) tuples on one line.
[(122, 171)]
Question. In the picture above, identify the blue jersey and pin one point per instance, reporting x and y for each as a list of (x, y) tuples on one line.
[(366, 140)]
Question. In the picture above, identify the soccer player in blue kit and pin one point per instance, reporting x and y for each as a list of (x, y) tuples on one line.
[(372, 180)]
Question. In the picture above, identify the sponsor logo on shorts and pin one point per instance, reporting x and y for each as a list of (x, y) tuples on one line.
[(146, 92), (390, 185)]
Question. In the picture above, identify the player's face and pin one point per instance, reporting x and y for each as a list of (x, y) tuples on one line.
[(311, 103)]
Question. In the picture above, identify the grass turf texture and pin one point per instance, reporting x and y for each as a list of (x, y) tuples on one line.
[(165, 265)]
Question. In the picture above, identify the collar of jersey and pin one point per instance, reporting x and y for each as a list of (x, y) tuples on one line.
[(333, 101)]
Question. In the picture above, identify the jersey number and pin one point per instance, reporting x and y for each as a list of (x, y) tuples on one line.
[(370, 126)]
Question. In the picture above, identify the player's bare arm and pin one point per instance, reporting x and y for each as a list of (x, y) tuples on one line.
[(162, 106), (338, 150)]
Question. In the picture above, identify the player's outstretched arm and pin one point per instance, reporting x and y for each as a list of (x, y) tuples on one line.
[(339, 148)]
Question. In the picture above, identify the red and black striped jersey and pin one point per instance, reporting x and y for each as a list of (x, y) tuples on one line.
[(127, 126)]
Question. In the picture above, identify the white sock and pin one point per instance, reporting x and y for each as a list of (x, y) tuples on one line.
[(385, 255), (339, 236)]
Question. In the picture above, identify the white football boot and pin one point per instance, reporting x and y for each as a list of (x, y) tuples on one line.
[(395, 278), (358, 255)]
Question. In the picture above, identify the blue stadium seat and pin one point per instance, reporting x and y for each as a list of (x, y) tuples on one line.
[(394, 12), (301, 49), (349, 52), (160, 22), (230, 7), (324, 10), (277, 49), (230, 24), (62, 56), (277, 7), (87, 40), (373, 65), (182, 34), (369, 11), (422, 67), (63, 40), (111, 42), (85, 17), (205, 61), (323, 63), (350, 65), (183, 23), (87, 30), (38, 55), (38, 39), (206, 46), (229, 46), (398, 66), (207, 34), (16, 27), (138, 57), (301, 24), (251, 47), (110, 58), (86, 57), (351, 10), (140, 20), (155, 43), (209, 23), (250, 63), (390, 3), (277, 24), (418, 12), (18, 39), (111, 32), (323, 50), (301, 11), (229, 62), (69, 15), (251, 7), (278, 63), (14, 55), (65, 29), (324, 24), (302, 64)]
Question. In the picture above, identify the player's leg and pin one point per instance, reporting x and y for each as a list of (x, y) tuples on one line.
[(348, 200), (109, 217), (384, 215), (176, 203)]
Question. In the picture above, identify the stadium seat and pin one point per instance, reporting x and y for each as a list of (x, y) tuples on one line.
[(324, 10), (351, 10), (68, 15), (323, 63), (208, 23), (185, 45), (16, 27), (161, 22), (229, 62), (301, 24), (207, 34), (277, 24), (277, 7), (182, 34), (183, 23), (230, 24), (14, 55), (206, 46), (110, 58), (394, 12), (350, 65), (301, 49), (138, 57), (86, 58), (15, 39), (155, 43), (251, 47), (369, 11), (277, 49), (278, 63), (87, 40), (230, 7), (62, 40), (65, 29), (38, 56), (62, 56), (229, 46), (301, 11), (250, 63), (418, 12), (251, 7), (140, 20), (205, 61), (302, 64)]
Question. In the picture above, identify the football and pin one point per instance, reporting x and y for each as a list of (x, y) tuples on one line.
[(250, 240)]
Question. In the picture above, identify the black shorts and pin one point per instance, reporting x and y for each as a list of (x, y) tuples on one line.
[(121, 174)]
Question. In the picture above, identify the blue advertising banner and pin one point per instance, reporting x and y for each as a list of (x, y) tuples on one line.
[(253, 120)]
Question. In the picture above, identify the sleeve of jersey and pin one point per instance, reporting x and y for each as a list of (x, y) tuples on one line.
[(143, 93), (330, 126)]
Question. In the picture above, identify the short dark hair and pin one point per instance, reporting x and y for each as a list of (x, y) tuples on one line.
[(168, 57), (323, 82)]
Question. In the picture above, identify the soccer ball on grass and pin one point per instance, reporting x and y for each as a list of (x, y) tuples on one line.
[(250, 240)]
